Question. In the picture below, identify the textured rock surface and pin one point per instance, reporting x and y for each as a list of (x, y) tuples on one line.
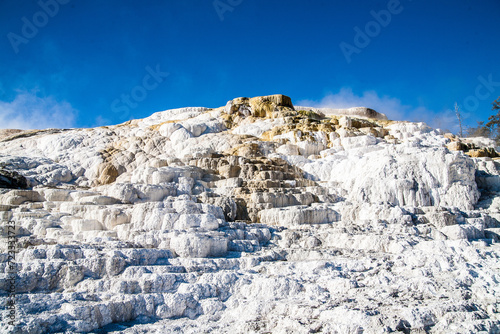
[(256, 217), (12, 180)]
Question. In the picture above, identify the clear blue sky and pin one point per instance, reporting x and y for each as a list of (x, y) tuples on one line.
[(83, 58)]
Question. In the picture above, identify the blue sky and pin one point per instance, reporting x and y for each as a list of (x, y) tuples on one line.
[(75, 63)]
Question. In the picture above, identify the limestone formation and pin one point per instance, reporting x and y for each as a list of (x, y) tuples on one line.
[(255, 217)]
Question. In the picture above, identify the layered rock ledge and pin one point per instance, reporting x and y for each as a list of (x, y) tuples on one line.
[(255, 217)]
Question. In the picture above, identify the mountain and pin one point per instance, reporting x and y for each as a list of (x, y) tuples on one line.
[(255, 217)]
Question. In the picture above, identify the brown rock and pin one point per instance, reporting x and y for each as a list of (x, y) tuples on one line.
[(229, 171), (249, 150), (450, 136), (456, 146), (482, 152), (4, 133), (260, 106), (107, 173)]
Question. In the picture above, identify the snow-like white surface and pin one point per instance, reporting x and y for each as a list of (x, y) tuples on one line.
[(157, 226)]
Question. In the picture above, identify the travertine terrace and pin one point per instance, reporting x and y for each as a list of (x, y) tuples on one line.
[(255, 217)]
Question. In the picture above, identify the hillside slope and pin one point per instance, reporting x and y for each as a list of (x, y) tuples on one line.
[(251, 218)]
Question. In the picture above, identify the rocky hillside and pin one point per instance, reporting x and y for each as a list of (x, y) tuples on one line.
[(256, 217)]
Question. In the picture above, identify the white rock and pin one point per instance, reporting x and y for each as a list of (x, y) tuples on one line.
[(168, 129), (455, 232), (79, 225), (359, 141), (199, 245), (56, 195), (206, 222), (297, 215), (180, 135), (354, 234), (288, 149)]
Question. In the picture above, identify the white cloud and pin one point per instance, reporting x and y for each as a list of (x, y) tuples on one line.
[(27, 111), (345, 98), (101, 121), (392, 107)]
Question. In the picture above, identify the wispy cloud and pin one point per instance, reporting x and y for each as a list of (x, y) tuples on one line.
[(101, 121), (392, 107), (28, 111)]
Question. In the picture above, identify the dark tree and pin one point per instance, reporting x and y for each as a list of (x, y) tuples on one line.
[(479, 131), (494, 120), (490, 129), (459, 117)]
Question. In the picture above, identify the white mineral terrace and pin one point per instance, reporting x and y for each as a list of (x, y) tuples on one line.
[(256, 217)]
